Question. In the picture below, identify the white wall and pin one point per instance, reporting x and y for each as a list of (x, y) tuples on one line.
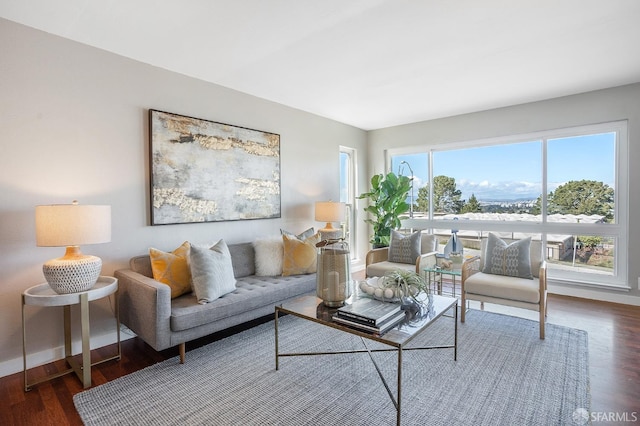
[(74, 126), (620, 103)]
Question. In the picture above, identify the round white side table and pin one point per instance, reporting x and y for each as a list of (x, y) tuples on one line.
[(43, 295)]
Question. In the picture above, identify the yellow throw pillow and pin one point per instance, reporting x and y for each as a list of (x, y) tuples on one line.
[(299, 255), (172, 269)]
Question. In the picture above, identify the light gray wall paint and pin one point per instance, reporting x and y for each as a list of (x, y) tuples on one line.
[(74, 126), (620, 103)]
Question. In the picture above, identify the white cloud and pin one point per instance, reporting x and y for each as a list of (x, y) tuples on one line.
[(486, 190)]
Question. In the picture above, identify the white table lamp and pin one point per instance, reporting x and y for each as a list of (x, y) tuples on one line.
[(329, 212), (72, 225)]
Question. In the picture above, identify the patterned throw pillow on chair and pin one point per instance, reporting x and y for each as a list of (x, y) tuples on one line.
[(513, 259), (404, 248)]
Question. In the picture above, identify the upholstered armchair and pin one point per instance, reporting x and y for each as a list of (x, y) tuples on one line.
[(502, 275), (378, 261)]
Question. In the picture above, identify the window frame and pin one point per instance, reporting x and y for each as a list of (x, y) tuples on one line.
[(618, 230), (352, 189)]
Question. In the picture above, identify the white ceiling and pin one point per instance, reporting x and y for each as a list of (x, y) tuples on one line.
[(368, 63)]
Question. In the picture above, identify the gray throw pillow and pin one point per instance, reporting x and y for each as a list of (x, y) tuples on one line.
[(513, 259), (211, 272), (302, 236), (404, 248)]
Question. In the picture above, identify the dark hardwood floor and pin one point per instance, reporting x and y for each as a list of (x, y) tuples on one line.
[(614, 361)]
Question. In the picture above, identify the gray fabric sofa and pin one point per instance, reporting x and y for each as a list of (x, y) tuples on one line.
[(147, 309)]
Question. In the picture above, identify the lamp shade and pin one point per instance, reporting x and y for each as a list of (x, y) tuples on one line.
[(330, 211), (61, 225)]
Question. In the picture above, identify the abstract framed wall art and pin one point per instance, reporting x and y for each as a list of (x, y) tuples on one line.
[(204, 171)]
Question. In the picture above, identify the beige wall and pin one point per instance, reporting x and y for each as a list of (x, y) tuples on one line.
[(74, 126), (620, 103)]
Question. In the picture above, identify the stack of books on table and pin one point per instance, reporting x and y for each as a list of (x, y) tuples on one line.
[(370, 315)]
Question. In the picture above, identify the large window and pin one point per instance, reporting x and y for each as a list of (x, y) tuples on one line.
[(565, 187)]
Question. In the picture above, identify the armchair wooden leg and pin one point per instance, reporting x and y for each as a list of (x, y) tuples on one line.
[(182, 349), (543, 312), (463, 312)]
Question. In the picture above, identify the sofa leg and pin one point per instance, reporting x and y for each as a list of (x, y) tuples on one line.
[(182, 349), (463, 311), (542, 321)]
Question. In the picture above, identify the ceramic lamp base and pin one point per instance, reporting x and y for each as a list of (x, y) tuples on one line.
[(72, 274), (330, 233)]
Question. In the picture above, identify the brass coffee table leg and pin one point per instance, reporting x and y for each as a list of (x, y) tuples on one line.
[(276, 327), (399, 403)]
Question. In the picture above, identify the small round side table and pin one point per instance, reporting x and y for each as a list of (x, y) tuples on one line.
[(43, 295)]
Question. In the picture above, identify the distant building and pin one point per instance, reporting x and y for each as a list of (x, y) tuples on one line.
[(558, 246)]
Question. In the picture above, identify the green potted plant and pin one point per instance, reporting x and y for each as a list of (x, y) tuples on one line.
[(387, 202), (407, 284), (394, 286)]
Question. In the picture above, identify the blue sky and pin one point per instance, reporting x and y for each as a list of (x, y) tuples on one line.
[(514, 171)]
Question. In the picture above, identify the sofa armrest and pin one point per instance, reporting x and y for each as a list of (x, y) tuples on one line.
[(145, 307), (377, 255)]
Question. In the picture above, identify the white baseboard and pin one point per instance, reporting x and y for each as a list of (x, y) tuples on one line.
[(357, 267), (54, 354), (622, 297)]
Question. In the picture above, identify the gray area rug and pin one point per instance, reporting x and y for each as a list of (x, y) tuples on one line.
[(505, 375)]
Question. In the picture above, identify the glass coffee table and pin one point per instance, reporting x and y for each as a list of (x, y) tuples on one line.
[(312, 309)]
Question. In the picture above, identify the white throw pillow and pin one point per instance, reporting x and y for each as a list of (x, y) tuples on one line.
[(211, 272), (203, 245), (269, 252)]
